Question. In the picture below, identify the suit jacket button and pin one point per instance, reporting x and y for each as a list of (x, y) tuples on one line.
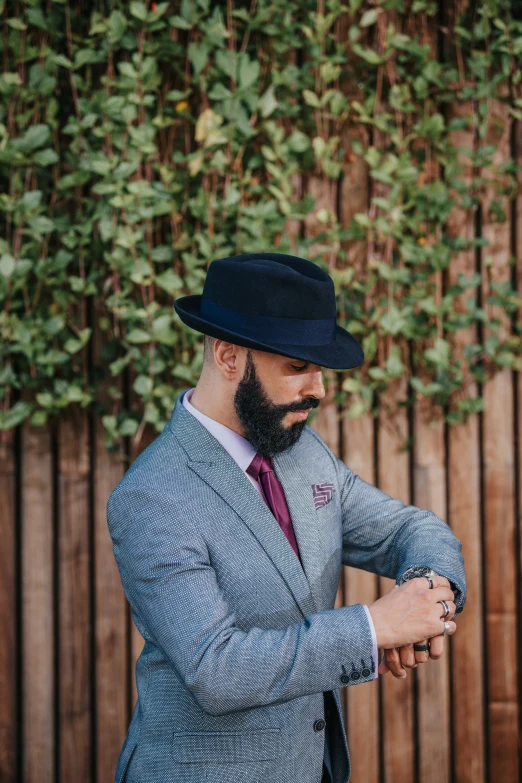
[(345, 678), (319, 725)]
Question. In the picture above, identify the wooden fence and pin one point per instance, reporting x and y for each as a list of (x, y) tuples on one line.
[(68, 646)]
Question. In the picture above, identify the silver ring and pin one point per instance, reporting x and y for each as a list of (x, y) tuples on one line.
[(447, 628), (430, 580), (445, 607)]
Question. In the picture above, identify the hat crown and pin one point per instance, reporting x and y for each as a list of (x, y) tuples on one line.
[(271, 284)]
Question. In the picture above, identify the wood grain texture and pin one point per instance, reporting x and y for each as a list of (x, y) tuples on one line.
[(517, 151), (112, 673), (38, 636), (433, 708), (397, 694), (75, 703), (137, 641), (363, 704), (467, 647), (499, 493), (361, 587), (8, 653)]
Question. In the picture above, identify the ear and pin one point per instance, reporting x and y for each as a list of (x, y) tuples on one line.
[(229, 359)]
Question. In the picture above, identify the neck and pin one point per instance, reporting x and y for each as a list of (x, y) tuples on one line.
[(213, 401)]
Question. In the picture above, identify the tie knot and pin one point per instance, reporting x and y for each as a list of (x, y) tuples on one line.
[(259, 465)]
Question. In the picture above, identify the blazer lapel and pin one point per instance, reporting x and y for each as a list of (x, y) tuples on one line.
[(214, 465), (299, 497)]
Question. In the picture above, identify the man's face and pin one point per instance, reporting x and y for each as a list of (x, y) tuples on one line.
[(269, 397)]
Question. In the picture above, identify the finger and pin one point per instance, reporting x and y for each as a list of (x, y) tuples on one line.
[(383, 667), (422, 657), (436, 647), (440, 581), (421, 582), (420, 585), (451, 610), (394, 662), (407, 656), (439, 593)]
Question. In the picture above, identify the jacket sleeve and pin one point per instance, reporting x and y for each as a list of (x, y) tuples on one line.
[(172, 587), (383, 535)]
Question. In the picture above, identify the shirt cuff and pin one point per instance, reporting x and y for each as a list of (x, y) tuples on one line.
[(374, 640)]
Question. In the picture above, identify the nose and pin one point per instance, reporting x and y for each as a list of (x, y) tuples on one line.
[(314, 386)]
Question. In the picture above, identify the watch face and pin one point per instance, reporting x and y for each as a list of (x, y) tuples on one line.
[(415, 571)]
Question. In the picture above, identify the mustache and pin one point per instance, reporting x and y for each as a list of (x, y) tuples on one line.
[(305, 405)]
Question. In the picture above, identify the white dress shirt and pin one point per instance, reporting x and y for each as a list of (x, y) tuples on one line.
[(242, 451)]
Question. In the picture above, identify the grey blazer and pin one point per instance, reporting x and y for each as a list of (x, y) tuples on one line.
[(241, 641)]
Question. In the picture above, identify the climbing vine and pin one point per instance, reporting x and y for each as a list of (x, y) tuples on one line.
[(139, 141)]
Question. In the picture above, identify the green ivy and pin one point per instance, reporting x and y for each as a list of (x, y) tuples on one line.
[(139, 141)]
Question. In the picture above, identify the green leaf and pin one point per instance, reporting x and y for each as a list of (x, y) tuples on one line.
[(142, 385), (45, 157), (41, 224), (439, 354), (219, 92), (138, 10), (198, 56), (117, 26), (7, 265), (12, 417), (128, 427), (169, 281), (298, 141), (138, 337), (127, 69), (311, 99), (34, 137), (248, 72), (16, 23), (369, 17), (179, 22), (268, 102)]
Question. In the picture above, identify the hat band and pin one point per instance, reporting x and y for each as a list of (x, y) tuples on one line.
[(284, 331)]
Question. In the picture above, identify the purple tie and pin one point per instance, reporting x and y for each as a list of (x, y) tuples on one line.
[(262, 469)]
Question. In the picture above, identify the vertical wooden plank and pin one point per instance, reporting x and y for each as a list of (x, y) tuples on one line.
[(517, 151), (8, 619), (358, 440), (499, 491), (38, 679), (397, 694), (111, 609), (467, 648), (137, 640), (362, 587), (429, 475), (326, 421), (433, 676), (74, 599)]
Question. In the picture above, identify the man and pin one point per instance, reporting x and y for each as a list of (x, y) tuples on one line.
[(230, 531)]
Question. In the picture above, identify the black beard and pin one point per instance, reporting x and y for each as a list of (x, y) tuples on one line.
[(261, 419)]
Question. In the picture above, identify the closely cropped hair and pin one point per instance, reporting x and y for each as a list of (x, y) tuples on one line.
[(208, 349)]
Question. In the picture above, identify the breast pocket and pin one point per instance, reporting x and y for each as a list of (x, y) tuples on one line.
[(226, 747)]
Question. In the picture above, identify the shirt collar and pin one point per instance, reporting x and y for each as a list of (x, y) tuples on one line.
[(239, 448)]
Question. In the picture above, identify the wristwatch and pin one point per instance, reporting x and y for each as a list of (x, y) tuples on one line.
[(418, 570)]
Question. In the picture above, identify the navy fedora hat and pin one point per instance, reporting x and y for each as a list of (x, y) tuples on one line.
[(272, 302)]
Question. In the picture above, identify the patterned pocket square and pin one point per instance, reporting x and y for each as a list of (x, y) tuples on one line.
[(322, 493)]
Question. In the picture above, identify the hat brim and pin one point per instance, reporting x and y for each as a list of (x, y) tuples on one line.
[(344, 353)]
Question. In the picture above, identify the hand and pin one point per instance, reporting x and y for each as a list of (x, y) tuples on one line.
[(410, 612), (397, 659)]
